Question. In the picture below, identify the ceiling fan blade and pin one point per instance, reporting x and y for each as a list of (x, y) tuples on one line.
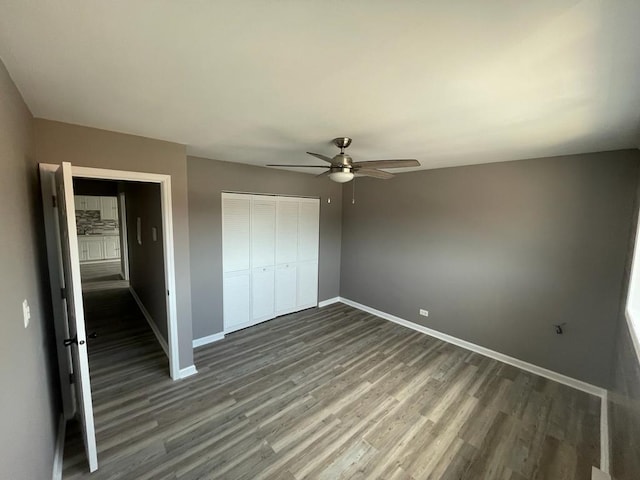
[(321, 157), (324, 174), (298, 166), (372, 172), (388, 163)]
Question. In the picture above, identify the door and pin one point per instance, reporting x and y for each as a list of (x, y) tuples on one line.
[(75, 310), (286, 285), (236, 300), (262, 294), (236, 264)]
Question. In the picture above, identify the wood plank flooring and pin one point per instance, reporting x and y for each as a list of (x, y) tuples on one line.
[(102, 276), (324, 394)]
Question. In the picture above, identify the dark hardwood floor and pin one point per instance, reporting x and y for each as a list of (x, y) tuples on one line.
[(325, 393)]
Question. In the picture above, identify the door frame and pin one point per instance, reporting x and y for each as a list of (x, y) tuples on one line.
[(124, 242), (48, 171)]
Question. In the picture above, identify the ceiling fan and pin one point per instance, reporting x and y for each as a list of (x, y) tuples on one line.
[(342, 167)]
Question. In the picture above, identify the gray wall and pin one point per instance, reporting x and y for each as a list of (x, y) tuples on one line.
[(207, 180), (29, 397), (89, 147), (146, 261), (499, 253)]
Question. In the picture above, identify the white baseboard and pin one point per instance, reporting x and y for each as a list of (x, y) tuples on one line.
[(328, 301), (58, 454), (604, 433), (187, 372), (199, 342), (597, 474), (147, 316), (529, 367)]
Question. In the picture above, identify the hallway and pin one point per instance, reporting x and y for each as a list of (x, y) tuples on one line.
[(123, 358)]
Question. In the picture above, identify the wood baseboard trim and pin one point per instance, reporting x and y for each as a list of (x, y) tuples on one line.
[(199, 342), (154, 328), (529, 367), (329, 301), (187, 372), (58, 454)]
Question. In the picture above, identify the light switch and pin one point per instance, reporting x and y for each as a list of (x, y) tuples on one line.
[(26, 313)]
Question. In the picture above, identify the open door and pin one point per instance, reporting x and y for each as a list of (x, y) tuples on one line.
[(77, 340)]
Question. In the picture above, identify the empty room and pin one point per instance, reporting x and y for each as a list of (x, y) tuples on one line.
[(320, 240)]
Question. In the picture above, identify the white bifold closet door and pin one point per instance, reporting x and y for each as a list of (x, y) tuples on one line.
[(270, 257), (286, 255), (236, 260), (263, 255)]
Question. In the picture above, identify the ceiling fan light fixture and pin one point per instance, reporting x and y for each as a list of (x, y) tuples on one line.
[(341, 176)]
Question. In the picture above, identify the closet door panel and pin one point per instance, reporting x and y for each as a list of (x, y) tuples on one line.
[(236, 300), (263, 231), (308, 229), (286, 288), (287, 230), (307, 285), (263, 293), (236, 232)]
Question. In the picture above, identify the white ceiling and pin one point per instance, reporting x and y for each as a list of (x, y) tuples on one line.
[(446, 82)]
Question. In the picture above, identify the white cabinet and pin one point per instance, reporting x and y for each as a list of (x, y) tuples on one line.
[(94, 248), (80, 202), (270, 257), (111, 247), (108, 208), (97, 248)]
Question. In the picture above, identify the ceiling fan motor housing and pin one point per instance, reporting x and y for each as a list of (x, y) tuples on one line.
[(342, 159)]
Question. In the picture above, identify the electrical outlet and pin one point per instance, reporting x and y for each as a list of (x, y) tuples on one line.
[(26, 313), (424, 313)]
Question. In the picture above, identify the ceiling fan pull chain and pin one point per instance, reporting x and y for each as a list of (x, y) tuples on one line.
[(353, 195)]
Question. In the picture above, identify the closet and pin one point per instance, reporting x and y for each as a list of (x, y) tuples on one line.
[(269, 257)]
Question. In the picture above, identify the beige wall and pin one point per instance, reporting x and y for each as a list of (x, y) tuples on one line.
[(29, 397), (89, 147)]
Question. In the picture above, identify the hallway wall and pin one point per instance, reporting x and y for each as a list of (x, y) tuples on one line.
[(146, 260), (30, 396)]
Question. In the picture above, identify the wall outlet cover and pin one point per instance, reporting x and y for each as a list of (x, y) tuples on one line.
[(424, 313)]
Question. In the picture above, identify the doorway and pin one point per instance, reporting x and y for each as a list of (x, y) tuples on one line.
[(66, 286), (100, 207)]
